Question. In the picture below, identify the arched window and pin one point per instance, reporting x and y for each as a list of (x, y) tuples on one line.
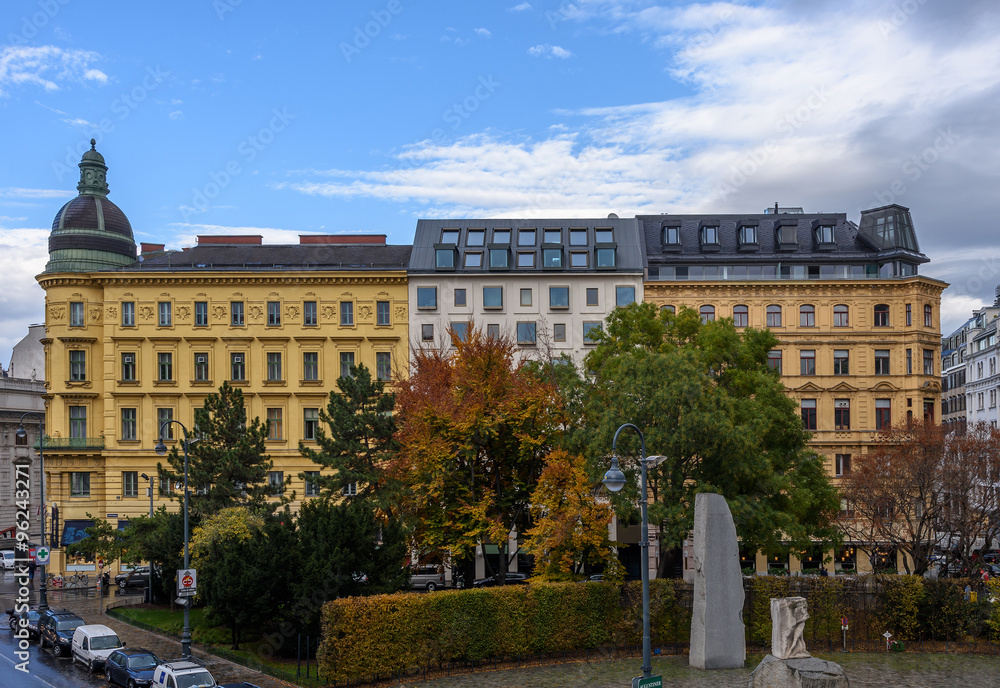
[(668, 309), (774, 316), (807, 316), (741, 315), (707, 314), (840, 316), (882, 315)]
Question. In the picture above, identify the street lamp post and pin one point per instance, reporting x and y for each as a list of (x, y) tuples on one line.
[(161, 449), (43, 591), (149, 577), (614, 480)]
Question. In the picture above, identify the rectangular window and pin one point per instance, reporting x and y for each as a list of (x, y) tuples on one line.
[(473, 259), (928, 362), (349, 490), (310, 315), (460, 330), (165, 415), (128, 424), (499, 258), (237, 367), (450, 236), (493, 331), (841, 362), (130, 484), (427, 333), (493, 297), (383, 365), (165, 366), (774, 316), (501, 236), (201, 367), (592, 298), (347, 313), (276, 482), (382, 317), (526, 259), (310, 365), (578, 237), (236, 309), (526, 333), (624, 296), (842, 414), (709, 235), (842, 465), (607, 257), (909, 314), (274, 366), (589, 331), (807, 362), (274, 424), (77, 365), (881, 361), (165, 309), (310, 423), (475, 237), (909, 361), (774, 361), (273, 313), (671, 236), (201, 313), (883, 413), (526, 297), (128, 313), (928, 316), (748, 234), (807, 316), (77, 316), (558, 297), (552, 258), (604, 235), (444, 258), (312, 483), (552, 236), (79, 484), (346, 363), (808, 407), (460, 298), (559, 332), (579, 259)]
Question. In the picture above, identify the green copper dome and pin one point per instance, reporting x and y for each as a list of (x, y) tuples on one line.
[(90, 232)]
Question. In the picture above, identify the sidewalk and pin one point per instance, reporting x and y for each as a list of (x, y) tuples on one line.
[(85, 603)]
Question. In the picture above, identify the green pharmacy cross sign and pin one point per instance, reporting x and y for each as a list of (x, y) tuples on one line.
[(648, 682)]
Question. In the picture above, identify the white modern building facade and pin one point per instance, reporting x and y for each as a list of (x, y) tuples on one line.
[(982, 380)]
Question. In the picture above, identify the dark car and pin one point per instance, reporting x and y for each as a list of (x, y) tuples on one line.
[(139, 577), (130, 667), (29, 620), (55, 628), (513, 578)]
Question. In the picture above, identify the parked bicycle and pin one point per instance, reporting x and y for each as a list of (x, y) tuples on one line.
[(54, 580), (77, 580)]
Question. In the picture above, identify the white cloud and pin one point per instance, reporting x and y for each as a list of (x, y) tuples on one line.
[(16, 192), (22, 301), (46, 66), (81, 124), (550, 51), (485, 33), (521, 7), (188, 233), (175, 114)]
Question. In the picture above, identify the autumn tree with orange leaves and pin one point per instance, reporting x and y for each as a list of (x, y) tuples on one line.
[(474, 429)]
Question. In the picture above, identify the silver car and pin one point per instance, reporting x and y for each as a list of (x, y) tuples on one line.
[(429, 578)]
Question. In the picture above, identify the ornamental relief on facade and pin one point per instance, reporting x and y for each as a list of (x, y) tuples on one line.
[(255, 313), (96, 314), (112, 313), (364, 313), (292, 312), (329, 312), (400, 312), (57, 313), (219, 312), (146, 312)]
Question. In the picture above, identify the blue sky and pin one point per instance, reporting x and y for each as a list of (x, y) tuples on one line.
[(224, 116)]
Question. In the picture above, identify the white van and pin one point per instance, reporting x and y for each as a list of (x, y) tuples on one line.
[(93, 643), (7, 563)]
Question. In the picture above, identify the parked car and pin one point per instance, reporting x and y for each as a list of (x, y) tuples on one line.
[(429, 578), (130, 667), (138, 577), (182, 673), (28, 619), (7, 557), (513, 578), (92, 643), (55, 628)]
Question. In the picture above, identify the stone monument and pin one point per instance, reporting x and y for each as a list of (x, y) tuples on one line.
[(790, 665), (718, 640)]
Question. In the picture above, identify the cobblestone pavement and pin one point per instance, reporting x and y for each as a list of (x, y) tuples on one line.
[(86, 605)]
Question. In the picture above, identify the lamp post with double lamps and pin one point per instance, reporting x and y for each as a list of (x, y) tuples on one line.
[(43, 591), (161, 449), (614, 480)]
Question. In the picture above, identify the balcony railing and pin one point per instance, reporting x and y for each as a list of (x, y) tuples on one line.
[(72, 443)]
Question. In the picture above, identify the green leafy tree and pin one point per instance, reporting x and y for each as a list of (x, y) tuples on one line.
[(159, 540), (227, 462), (359, 439), (705, 398), (474, 430)]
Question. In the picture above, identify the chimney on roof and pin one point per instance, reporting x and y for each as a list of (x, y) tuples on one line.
[(775, 207), (368, 239), (996, 301), (224, 240), (145, 248)]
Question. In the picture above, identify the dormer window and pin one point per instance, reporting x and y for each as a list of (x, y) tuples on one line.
[(786, 234), (671, 237), (824, 234), (604, 235), (526, 237), (709, 235), (748, 235), (445, 257), (577, 237), (476, 237), (552, 235), (449, 236), (501, 236)]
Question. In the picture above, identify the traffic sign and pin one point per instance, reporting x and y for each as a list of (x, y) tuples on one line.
[(42, 556), (187, 582), (649, 682), (100, 564)]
